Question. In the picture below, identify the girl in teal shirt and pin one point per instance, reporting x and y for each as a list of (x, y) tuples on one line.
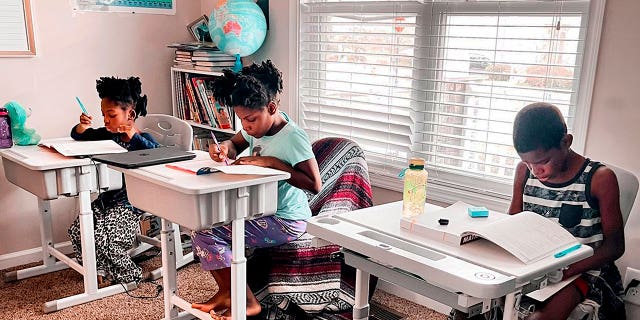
[(274, 141)]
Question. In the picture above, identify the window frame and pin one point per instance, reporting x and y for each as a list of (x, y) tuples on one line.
[(449, 188)]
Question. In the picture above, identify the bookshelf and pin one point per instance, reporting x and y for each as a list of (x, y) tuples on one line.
[(188, 104)]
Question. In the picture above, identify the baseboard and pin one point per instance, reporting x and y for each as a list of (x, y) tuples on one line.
[(30, 255), (412, 296)]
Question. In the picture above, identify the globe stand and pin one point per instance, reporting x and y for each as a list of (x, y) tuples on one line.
[(237, 66)]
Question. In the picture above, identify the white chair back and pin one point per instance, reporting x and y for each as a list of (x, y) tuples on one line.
[(628, 184), (167, 130)]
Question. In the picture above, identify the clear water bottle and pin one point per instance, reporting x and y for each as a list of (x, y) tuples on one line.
[(5, 129), (415, 188)]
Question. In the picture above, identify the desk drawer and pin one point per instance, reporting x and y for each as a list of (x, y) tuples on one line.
[(201, 211), (50, 184)]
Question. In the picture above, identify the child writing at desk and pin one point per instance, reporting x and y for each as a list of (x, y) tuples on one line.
[(583, 196), (282, 145), (116, 222)]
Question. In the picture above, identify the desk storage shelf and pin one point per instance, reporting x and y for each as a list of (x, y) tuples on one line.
[(50, 183)]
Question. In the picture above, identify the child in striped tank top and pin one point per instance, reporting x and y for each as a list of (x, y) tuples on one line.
[(582, 196)]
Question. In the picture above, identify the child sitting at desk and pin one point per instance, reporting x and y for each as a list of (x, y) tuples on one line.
[(284, 146), (583, 196), (116, 222)]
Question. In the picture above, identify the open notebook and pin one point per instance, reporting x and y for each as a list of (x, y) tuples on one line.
[(528, 236), (73, 148)]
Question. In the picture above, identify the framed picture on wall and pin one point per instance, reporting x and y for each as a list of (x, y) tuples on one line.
[(131, 6), (16, 34), (199, 29)]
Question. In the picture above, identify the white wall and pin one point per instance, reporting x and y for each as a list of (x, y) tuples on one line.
[(73, 49)]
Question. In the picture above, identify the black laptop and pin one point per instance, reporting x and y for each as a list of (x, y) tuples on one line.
[(142, 158)]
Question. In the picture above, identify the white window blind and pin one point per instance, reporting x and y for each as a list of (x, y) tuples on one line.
[(439, 80)]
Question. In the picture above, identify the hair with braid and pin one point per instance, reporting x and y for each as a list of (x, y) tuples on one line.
[(253, 87), (124, 92)]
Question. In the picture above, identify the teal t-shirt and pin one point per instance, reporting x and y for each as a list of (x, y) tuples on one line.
[(291, 145)]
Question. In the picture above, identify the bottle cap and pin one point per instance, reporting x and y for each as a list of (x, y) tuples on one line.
[(416, 162)]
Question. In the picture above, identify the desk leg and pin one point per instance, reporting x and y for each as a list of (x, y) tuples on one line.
[(238, 261), (361, 306), (49, 263), (88, 269), (511, 303), (168, 268), (86, 233)]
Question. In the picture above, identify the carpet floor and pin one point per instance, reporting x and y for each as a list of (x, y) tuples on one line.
[(24, 299)]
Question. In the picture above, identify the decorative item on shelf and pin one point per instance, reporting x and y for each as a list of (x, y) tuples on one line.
[(22, 135), (238, 28), (199, 29)]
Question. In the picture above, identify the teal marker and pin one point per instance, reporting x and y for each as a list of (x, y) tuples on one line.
[(84, 110), (567, 251)]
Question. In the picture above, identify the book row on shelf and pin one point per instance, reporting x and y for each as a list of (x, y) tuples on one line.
[(201, 56), (202, 138), (195, 101)]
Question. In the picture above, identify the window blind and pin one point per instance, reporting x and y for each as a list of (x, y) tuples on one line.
[(440, 80)]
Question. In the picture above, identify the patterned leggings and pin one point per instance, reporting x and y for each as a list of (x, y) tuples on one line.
[(115, 230), (213, 246)]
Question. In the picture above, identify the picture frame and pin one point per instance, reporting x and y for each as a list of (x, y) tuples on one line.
[(167, 7), (199, 29), (17, 37)]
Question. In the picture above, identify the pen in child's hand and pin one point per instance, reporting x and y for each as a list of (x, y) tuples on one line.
[(84, 110), (226, 161)]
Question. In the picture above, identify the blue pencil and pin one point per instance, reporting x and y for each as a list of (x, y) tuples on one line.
[(84, 110)]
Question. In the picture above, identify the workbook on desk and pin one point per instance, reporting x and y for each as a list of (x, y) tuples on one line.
[(527, 235), (74, 148)]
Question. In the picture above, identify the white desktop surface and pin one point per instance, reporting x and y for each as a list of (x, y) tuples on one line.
[(456, 274), (386, 219), (41, 158), (197, 202)]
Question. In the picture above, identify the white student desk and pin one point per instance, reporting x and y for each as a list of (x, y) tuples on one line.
[(199, 202), (48, 175), (472, 277)]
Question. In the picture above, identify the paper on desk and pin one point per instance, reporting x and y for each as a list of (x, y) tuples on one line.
[(546, 292), (73, 148), (194, 165)]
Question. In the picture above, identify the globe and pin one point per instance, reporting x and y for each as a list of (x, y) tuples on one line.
[(237, 27)]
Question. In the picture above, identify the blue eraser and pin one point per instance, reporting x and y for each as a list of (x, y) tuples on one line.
[(478, 212)]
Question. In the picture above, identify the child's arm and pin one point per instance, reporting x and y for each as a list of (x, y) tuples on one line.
[(304, 175), (605, 190), (518, 188)]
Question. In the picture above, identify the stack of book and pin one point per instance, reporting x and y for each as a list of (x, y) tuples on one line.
[(183, 59), (203, 56), (212, 60)]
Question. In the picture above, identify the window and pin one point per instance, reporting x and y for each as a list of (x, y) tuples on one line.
[(443, 81)]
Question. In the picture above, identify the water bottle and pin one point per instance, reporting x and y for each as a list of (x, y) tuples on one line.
[(415, 188), (5, 129)]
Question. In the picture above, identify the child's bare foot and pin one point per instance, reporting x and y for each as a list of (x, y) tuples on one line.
[(219, 301), (253, 309)]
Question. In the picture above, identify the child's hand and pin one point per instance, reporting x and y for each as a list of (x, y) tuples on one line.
[(128, 129), (218, 155), (85, 122), (266, 162)]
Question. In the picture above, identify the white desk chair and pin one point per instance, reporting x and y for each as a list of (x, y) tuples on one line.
[(628, 185), (169, 131)]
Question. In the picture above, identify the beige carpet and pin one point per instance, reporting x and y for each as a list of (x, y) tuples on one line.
[(24, 299)]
